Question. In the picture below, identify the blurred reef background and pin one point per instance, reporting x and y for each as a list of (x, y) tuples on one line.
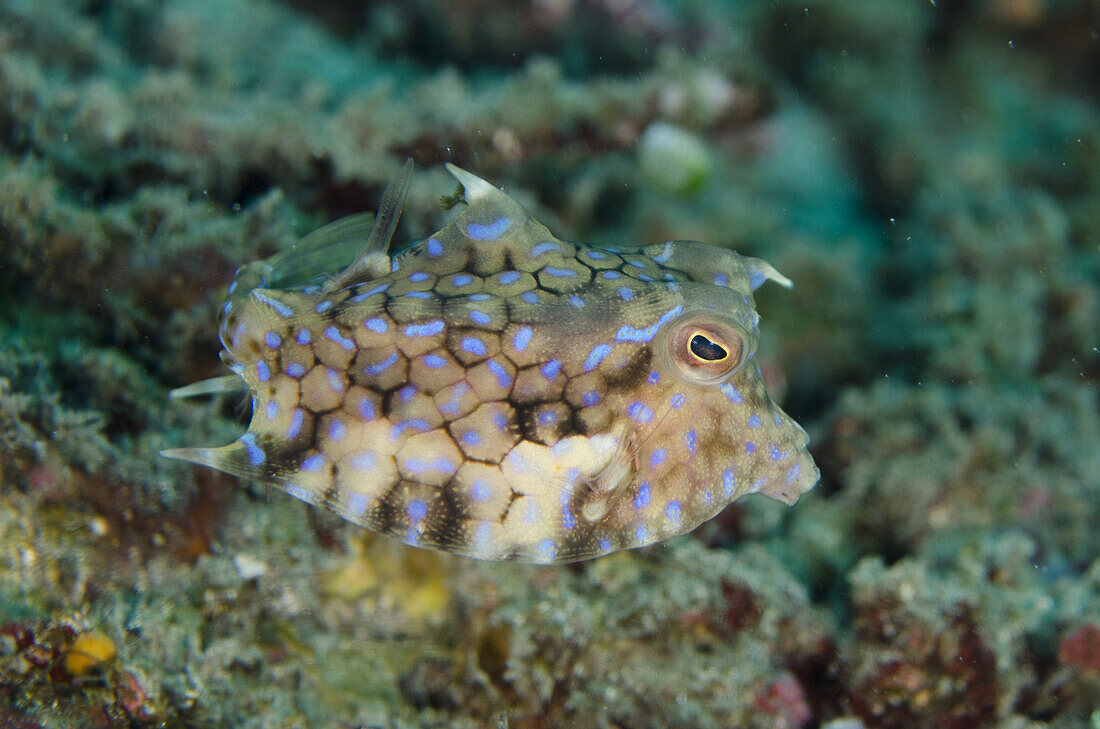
[(928, 173)]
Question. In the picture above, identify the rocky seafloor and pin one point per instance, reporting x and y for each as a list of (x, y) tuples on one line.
[(928, 173)]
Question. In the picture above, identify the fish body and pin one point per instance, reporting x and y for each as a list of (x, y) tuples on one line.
[(499, 393)]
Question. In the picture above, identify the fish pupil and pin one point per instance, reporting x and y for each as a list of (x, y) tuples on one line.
[(704, 348)]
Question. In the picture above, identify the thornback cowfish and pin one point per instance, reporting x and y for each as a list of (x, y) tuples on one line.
[(496, 392)]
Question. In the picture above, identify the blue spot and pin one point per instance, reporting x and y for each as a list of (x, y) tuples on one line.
[(379, 367), (605, 544), (503, 378), (596, 255), (665, 254), (336, 430), (407, 393), (639, 412), (420, 294), (750, 447), (509, 277), (323, 307), (479, 297), (550, 369), (494, 229), (673, 511), (426, 329), (435, 248), (547, 417), (418, 424), (545, 549), (418, 466), (568, 521), (295, 370), (641, 534), (597, 355), (335, 383), (635, 264), (295, 427), (480, 491), (435, 361), (357, 504), (479, 317), (471, 438), (418, 276), (366, 409), (630, 334), (304, 337), (729, 482), (754, 421), (690, 440), (233, 286), (591, 398), (272, 410), (228, 307), (611, 274), (626, 293), (720, 279), (559, 272), (272, 340), (461, 279), (732, 393), (298, 492), (417, 510), (654, 377), (643, 277), (378, 326), (313, 463), (658, 457), (576, 301), (677, 401), (756, 280), (522, 339), (530, 297), (367, 294), (500, 422), (262, 371), (256, 454), (793, 472), (473, 346), (334, 334), (774, 453), (274, 304), (544, 247), (777, 420)]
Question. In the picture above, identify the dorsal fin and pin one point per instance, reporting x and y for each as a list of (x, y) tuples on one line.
[(373, 261)]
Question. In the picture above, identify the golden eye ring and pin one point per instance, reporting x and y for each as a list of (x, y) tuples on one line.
[(705, 349)]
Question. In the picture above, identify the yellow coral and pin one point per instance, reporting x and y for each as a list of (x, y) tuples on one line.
[(88, 651)]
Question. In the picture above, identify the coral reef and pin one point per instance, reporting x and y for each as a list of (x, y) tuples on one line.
[(927, 173)]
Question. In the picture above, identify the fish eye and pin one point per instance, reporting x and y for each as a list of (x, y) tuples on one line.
[(707, 351), (706, 348)]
